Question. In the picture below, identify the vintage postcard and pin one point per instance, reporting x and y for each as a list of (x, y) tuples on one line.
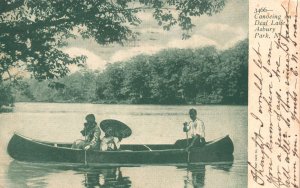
[(149, 93)]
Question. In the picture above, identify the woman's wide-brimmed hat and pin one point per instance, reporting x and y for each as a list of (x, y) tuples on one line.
[(115, 128)]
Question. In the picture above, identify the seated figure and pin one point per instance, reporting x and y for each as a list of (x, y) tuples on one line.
[(195, 129), (91, 132), (110, 143)]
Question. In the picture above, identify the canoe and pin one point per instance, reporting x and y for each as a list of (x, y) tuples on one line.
[(26, 149)]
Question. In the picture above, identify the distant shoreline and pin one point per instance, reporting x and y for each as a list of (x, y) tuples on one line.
[(153, 104), (6, 109)]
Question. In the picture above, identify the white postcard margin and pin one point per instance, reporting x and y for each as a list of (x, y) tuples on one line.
[(274, 94)]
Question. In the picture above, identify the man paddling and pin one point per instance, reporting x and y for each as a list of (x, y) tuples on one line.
[(195, 130)]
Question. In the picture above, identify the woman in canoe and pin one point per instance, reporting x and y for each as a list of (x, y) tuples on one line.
[(91, 132), (109, 142), (195, 129)]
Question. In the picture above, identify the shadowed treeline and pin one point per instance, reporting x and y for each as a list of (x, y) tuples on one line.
[(174, 76)]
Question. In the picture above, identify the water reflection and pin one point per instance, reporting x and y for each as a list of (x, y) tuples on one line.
[(36, 175), (225, 167), (109, 177), (195, 174)]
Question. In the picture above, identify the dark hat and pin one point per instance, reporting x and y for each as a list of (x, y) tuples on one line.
[(90, 118)]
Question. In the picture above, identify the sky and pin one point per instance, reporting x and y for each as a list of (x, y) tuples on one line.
[(222, 30)]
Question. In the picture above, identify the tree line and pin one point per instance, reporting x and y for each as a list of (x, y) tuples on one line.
[(172, 76)]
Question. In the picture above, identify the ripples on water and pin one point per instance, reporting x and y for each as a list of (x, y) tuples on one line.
[(150, 124), (41, 175)]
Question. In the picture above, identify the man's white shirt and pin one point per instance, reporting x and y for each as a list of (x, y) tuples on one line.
[(196, 127)]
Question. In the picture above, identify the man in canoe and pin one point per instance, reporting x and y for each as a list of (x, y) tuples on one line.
[(195, 130), (91, 132)]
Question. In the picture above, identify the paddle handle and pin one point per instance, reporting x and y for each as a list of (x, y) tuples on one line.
[(187, 139), (85, 161)]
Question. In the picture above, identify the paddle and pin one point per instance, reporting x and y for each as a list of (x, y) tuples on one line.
[(85, 160), (187, 141), (187, 145)]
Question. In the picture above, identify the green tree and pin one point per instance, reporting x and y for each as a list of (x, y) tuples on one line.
[(195, 80), (167, 67), (110, 83), (32, 32), (21, 90), (137, 79), (79, 87), (6, 97), (42, 92), (234, 63)]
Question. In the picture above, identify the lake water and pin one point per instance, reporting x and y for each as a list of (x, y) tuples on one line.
[(151, 124)]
